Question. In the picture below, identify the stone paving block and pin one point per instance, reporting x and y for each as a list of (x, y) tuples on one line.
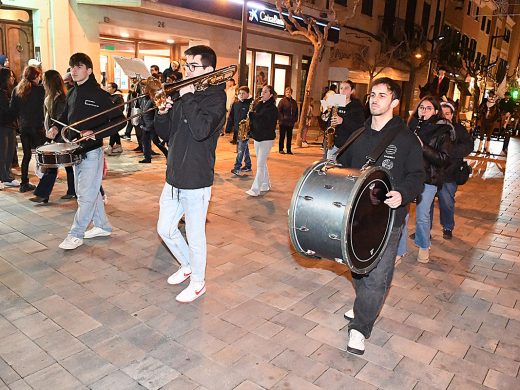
[(97, 336), (119, 351), (7, 374), (381, 356), (444, 344), (87, 366), (472, 371), (294, 322), (398, 314), (215, 377), (431, 376), (505, 311), (23, 355), (181, 383), (299, 365), (223, 330), (36, 325), (403, 330), (460, 382), (20, 385), (150, 373), (267, 330), (492, 360), (474, 339), (421, 322), (333, 321), (413, 350), (116, 381), (143, 337), (508, 350), (248, 385), (201, 342), (53, 377), (258, 371), (177, 356), (259, 346), (335, 380), (340, 360), (458, 321), (60, 344), (328, 336), (294, 382), (228, 356), (385, 379), (499, 380), (296, 342)]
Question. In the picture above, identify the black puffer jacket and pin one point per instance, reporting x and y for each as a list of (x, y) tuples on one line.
[(30, 109), (84, 101), (7, 116), (192, 127), (263, 121), (288, 109), (146, 121), (437, 136), (353, 118), (237, 113), (462, 147)]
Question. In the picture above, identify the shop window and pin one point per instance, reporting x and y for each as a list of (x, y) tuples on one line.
[(155, 54), (262, 70), (367, 7), (280, 59)]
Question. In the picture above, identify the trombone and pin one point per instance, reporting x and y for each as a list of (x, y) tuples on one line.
[(160, 93)]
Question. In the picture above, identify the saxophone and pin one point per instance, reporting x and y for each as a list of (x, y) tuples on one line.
[(331, 130), (244, 126)]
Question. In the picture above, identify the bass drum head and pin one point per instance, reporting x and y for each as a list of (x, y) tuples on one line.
[(368, 220)]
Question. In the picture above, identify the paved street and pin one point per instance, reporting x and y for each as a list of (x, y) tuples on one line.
[(103, 317)]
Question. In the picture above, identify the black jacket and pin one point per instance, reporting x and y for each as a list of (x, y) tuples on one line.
[(7, 116), (288, 109), (58, 105), (29, 110), (237, 113), (439, 90), (462, 147), (403, 158), (353, 115), (84, 101), (263, 121), (437, 136), (175, 75), (192, 127), (146, 121)]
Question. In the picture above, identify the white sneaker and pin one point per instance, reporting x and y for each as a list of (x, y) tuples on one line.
[(117, 149), (423, 256), (180, 276), (2, 186), (356, 342), (108, 150), (12, 183), (349, 315), (71, 242), (252, 193), (96, 232), (192, 292), (305, 144)]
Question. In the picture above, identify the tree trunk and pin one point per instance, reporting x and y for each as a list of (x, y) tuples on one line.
[(306, 97)]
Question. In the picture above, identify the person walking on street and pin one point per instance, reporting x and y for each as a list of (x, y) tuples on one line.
[(288, 109)]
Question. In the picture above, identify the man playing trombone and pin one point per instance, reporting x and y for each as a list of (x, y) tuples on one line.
[(191, 125), (84, 104)]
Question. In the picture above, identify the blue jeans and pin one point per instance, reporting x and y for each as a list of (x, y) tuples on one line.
[(402, 247), (447, 205), (423, 216), (193, 204), (87, 178), (371, 289), (243, 154)]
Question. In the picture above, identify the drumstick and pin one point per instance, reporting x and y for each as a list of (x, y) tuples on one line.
[(64, 124)]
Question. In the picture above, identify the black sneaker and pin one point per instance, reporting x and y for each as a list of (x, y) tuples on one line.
[(246, 169), (447, 234), (235, 172), (145, 161), (26, 187), (39, 199), (138, 149), (281, 152)]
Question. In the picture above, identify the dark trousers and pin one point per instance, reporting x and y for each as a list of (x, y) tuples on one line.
[(129, 127), (15, 154), (31, 138), (46, 184), (7, 150), (371, 289), (283, 131), (115, 139), (147, 138)]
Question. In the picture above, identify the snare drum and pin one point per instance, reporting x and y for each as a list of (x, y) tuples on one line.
[(339, 214), (57, 155)]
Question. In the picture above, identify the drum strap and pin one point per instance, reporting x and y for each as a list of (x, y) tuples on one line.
[(350, 140)]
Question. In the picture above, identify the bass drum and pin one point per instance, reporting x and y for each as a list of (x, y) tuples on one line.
[(339, 214), (57, 155)]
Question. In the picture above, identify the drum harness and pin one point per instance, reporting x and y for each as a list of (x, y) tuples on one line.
[(376, 153)]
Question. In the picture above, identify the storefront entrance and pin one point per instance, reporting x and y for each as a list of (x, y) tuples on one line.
[(268, 68), (16, 38)]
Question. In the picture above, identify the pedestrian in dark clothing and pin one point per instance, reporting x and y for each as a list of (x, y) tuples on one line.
[(55, 100), (146, 122), (237, 113), (114, 143), (172, 73), (27, 103), (288, 109), (7, 129)]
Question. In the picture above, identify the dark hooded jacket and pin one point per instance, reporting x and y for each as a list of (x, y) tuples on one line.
[(7, 115), (462, 147), (30, 109), (288, 109), (263, 121), (437, 136), (353, 118), (84, 101), (192, 127), (403, 158)]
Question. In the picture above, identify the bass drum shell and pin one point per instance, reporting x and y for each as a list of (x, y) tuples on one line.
[(339, 214), (57, 155)]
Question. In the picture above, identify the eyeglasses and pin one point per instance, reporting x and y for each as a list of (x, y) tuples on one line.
[(192, 66), (426, 108)]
